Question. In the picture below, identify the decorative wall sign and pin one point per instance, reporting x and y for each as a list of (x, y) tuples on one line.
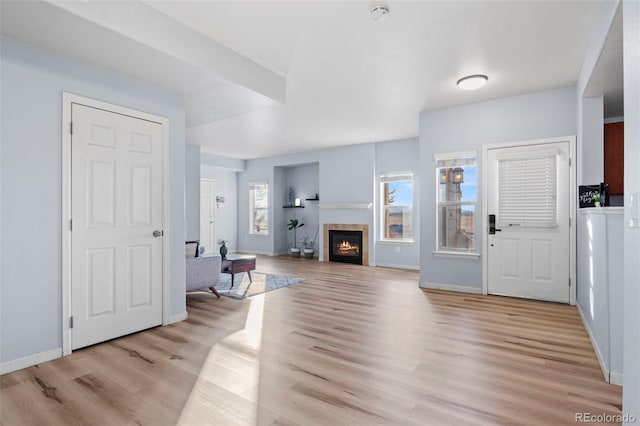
[(586, 195)]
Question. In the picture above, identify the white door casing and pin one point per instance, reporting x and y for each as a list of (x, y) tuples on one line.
[(113, 266), (207, 215), (530, 254)]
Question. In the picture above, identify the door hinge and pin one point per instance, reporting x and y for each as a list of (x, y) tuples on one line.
[(71, 322), (569, 282), (569, 222), (569, 162), (70, 224), (71, 127)]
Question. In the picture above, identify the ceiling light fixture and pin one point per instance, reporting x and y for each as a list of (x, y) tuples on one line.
[(472, 82), (379, 13)]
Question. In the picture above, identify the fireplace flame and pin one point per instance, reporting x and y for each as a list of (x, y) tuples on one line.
[(346, 248)]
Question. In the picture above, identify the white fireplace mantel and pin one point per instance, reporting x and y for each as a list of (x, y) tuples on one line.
[(346, 206)]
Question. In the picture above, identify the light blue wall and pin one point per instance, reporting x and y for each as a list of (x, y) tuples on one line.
[(305, 183), (223, 163), (600, 283), (631, 41), (599, 237), (192, 192), (226, 221), (533, 116), (346, 174), (279, 191), (31, 189), (399, 156), (590, 140)]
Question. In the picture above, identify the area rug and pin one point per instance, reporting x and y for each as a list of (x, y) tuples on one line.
[(262, 282)]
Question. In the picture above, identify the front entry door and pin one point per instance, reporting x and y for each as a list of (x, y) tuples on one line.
[(116, 205), (528, 200)]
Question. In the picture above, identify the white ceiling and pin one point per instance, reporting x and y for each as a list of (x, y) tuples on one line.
[(266, 77)]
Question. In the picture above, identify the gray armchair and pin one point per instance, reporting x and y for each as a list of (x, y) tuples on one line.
[(203, 272)]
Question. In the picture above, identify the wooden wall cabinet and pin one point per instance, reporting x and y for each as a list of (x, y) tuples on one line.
[(614, 157)]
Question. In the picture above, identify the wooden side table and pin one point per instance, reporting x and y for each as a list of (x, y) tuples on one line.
[(235, 263)]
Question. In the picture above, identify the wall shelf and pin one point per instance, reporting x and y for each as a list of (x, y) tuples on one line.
[(313, 199), (293, 207)]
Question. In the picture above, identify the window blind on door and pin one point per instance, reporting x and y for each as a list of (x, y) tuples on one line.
[(527, 192)]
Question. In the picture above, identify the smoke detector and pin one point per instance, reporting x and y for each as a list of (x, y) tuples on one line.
[(379, 13)]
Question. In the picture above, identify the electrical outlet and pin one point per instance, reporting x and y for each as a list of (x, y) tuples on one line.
[(397, 249)]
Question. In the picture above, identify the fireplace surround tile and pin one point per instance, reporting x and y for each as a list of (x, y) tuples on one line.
[(347, 227)]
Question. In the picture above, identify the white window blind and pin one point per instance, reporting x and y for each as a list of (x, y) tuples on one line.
[(397, 177), (455, 162), (527, 192)]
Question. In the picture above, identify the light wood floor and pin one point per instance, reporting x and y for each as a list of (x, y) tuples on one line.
[(349, 345)]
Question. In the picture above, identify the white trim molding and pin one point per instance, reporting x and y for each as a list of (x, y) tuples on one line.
[(462, 254), (615, 378), (454, 155), (451, 287), (572, 207), (29, 361), (605, 371), (178, 317), (67, 100), (395, 266)]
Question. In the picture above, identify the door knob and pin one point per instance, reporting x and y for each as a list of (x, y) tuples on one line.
[(158, 234)]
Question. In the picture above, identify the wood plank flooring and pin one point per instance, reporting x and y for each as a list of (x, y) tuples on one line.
[(349, 345)]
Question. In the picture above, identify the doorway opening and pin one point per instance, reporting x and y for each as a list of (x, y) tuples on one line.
[(208, 215)]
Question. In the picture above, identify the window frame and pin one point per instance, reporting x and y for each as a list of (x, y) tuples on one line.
[(454, 157), (410, 177), (252, 208)]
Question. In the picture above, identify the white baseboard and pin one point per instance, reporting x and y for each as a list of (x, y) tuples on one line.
[(266, 253), (178, 317), (451, 287), (392, 265), (594, 344), (615, 378), (28, 361)]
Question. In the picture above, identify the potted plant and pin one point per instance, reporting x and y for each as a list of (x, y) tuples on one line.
[(293, 225), (308, 249), (597, 200), (223, 248)]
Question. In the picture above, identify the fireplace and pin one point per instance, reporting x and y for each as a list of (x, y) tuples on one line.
[(347, 243), (345, 246)]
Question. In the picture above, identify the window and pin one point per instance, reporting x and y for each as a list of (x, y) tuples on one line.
[(456, 204), (259, 208), (527, 191), (396, 194)]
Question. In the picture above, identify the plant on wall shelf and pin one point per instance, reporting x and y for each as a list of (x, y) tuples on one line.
[(597, 200)]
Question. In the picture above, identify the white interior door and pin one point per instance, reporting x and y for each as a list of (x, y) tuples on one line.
[(208, 215), (116, 205), (528, 194)]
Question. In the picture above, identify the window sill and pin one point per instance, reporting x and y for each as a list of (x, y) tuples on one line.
[(396, 242), (455, 254), (258, 235)]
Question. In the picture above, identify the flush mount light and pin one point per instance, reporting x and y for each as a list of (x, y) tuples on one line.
[(379, 13), (472, 82)]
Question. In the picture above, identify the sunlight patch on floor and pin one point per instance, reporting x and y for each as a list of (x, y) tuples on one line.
[(232, 367)]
